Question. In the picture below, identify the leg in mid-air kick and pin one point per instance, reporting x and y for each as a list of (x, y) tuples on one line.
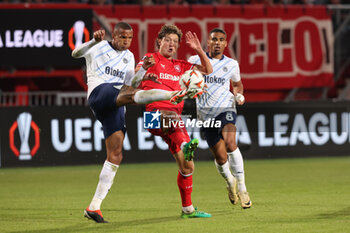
[(130, 95), (113, 120)]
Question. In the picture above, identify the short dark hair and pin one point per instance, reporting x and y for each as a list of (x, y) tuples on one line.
[(217, 30), (122, 25)]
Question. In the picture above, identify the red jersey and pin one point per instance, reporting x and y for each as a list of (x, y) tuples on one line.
[(169, 73)]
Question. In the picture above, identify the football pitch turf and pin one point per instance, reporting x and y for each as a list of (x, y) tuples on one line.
[(289, 195)]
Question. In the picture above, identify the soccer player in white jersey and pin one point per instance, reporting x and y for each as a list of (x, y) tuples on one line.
[(220, 103), (111, 85)]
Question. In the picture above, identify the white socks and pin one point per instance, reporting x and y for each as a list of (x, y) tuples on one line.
[(236, 165), (149, 96), (95, 203), (188, 209), (105, 183), (225, 172)]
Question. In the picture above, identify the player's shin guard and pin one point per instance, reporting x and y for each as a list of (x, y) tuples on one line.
[(184, 183), (105, 183), (237, 167), (149, 96)]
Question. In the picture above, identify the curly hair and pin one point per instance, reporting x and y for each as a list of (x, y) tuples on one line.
[(169, 29)]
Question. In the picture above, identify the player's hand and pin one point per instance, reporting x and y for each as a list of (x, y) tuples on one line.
[(99, 35), (193, 41), (148, 62), (239, 98), (153, 77)]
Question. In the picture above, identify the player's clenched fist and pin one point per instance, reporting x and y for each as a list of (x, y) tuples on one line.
[(99, 35), (239, 99)]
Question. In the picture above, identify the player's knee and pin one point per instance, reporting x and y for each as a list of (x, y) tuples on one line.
[(186, 171), (116, 155), (187, 168), (231, 145), (221, 160), (125, 97)]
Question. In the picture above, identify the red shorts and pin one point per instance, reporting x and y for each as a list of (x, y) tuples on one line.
[(174, 137)]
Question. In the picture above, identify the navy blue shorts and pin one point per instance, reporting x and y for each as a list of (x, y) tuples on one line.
[(102, 102), (213, 135)]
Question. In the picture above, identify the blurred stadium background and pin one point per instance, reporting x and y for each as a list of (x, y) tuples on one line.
[(294, 60)]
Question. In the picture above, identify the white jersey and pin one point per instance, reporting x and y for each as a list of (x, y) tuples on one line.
[(218, 98), (104, 64)]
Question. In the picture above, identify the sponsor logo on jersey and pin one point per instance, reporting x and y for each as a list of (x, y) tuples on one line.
[(214, 79), (169, 76), (116, 73)]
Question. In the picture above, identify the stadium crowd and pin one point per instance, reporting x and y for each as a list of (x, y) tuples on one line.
[(184, 2)]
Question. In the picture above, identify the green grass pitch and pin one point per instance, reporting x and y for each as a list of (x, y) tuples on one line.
[(289, 195)]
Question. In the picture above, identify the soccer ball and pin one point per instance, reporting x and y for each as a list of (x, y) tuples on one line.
[(192, 79)]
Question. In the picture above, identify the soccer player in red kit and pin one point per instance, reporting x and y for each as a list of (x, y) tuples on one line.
[(169, 71)]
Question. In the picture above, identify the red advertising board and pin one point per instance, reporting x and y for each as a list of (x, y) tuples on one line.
[(277, 47)]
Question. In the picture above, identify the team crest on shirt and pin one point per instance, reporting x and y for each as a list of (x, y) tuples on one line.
[(125, 60), (177, 68), (225, 69)]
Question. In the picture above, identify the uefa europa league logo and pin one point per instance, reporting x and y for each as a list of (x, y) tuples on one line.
[(23, 121), (78, 34), (24, 124)]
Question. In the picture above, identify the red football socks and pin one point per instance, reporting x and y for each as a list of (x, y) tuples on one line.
[(185, 187)]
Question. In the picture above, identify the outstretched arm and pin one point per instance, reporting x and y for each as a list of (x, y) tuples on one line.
[(193, 41), (81, 50), (140, 74)]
